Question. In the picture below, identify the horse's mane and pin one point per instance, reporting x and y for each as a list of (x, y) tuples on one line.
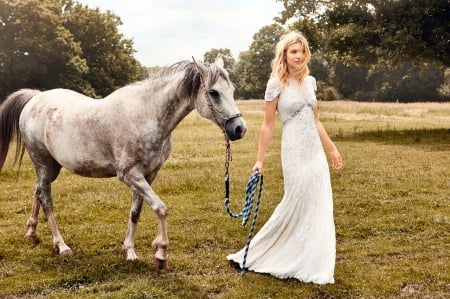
[(191, 81)]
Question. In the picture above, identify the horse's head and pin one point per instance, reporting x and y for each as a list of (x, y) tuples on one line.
[(215, 100)]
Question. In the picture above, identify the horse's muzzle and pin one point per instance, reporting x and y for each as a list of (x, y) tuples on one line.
[(235, 128)]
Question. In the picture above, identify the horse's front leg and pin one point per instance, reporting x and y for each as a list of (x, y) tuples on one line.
[(136, 181), (135, 213), (161, 243)]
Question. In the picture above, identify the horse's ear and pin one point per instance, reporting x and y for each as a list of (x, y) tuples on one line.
[(201, 68), (219, 60)]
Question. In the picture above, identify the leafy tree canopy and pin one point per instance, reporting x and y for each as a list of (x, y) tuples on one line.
[(256, 63), (36, 50), (47, 44), (367, 32), (227, 57), (108, 54)]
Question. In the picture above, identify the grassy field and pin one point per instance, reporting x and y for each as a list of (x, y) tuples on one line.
[(391, 202)]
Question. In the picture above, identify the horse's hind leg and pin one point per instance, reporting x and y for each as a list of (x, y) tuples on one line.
[(47, 170), (43, 193), (135, 213), (33, 220)]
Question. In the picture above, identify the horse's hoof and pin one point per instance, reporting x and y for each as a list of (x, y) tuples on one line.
[(66, 252), (31, 237), (160, 264), (130, 254), (154, 247), (63, 251)]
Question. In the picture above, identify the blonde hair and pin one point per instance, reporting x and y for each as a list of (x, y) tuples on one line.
[(279, 65)]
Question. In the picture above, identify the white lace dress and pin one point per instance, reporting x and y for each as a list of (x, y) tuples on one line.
[(298, 241)]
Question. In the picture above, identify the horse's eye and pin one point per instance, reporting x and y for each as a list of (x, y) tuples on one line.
[(213, 93)]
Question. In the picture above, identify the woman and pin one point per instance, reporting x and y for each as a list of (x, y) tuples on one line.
[(298, 241)]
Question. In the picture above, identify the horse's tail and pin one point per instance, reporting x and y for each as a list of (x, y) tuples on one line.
[(10, 111)]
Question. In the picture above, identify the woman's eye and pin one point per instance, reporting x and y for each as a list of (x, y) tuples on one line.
[(213, 93)]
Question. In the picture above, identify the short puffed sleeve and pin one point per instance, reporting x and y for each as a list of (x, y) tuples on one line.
[(314, 83), (273, 89)]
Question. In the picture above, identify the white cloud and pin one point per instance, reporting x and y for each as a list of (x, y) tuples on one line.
[(168, 31)]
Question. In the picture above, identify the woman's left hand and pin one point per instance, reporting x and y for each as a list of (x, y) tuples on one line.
[(336, 159)]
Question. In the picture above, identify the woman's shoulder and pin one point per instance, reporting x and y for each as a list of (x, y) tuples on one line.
[(273, 89), (273, 82), (311, 80)]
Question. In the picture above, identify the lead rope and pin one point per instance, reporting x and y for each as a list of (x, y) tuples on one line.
[(249, 200)]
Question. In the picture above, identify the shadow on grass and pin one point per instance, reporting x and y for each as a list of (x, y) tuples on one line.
[(430, 139), (107, 273), (78, 272)]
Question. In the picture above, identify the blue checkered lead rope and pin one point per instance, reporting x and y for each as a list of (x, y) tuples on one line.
[(248, 206)]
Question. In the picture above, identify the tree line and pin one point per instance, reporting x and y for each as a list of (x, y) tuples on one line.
[(391, 50), (385, 50), (48, 44)]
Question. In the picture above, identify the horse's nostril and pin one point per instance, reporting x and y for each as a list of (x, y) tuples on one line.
[(238, 131), (235, 130)]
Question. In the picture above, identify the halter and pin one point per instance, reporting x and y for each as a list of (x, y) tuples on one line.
[(215, 112)]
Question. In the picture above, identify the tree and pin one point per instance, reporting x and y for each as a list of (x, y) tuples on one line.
[(254, 66), (444, 88), (414, 31), (228, 60), (365, 32), (406, 83), (36, 51), (377, 50), (107, 53), (47, 44), (350, 80), (324, 71)]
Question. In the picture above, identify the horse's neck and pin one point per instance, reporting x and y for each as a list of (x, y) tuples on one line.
[(161, 102)]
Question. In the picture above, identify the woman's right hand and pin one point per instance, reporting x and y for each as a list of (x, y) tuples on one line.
[(258, 167)]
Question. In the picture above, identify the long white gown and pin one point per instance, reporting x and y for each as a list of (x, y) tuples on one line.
[(298, 241)]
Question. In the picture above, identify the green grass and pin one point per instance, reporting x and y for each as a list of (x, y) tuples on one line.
[(392, 215)]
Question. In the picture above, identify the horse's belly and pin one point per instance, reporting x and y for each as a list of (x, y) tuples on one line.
[(92, 169)]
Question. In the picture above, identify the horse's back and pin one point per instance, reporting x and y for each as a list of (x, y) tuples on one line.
[(53, 110), (69, 127), (60, 97)]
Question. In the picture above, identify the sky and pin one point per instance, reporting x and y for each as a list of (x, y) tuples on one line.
[(167, 31)]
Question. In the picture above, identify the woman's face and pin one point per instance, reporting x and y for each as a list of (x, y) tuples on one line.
[(295, 56)]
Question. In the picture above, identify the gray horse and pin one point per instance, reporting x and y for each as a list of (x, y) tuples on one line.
[(128, 134)]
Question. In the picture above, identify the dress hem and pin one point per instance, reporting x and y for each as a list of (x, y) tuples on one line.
[(286, 276)]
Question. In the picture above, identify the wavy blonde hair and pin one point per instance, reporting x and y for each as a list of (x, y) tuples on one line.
[(279, 65)]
